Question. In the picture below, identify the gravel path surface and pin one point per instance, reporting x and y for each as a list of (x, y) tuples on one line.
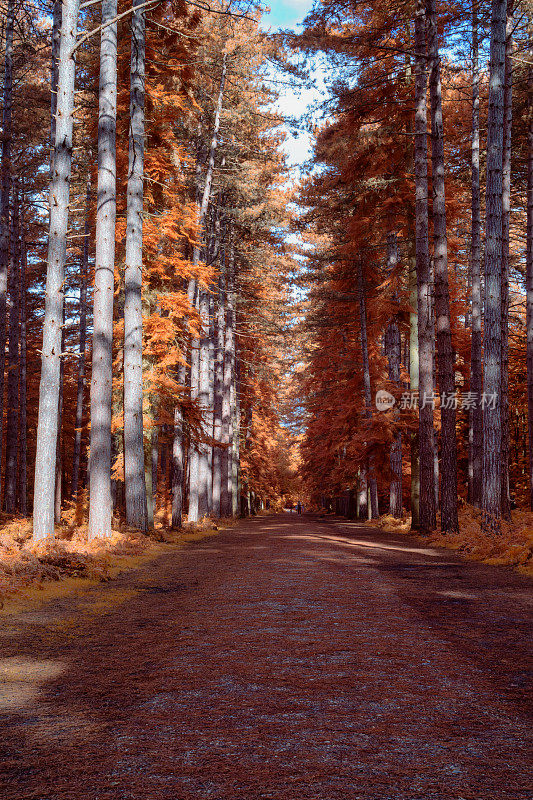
[(291, 658)]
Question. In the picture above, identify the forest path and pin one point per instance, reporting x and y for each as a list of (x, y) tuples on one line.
[(290, 658)]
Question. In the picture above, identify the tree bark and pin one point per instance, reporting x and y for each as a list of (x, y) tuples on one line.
[(80, 388), (428, 520), (177, 468), (200, 348), (374, 510), (218, 395), (529, 280), (491, 497), (135, 480), (47, 426), (476, 366), (23, 416), (10, 495), (5, 190), (506, 211), (393, 347), (100, 502), (226, 501), (445, 354), (57, 15), (413, 385)]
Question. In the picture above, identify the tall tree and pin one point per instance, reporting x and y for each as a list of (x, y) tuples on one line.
[(492, 336), (393, 347), (82, 347), (506, 212), (476, 367), (100, 504), (47, 427), (5, 190), (425, 317), (374, 511), (529, 278), (445, 354), (134, 472), (12, 433), (200, 369)]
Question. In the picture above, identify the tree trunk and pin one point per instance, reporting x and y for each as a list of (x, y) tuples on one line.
[(506, 210), (218, 395), (425, 318), (200, 348), (58, 467), (80, 389), (23, 421), (155, 464), (491, 499), (529, 280), (57, 15), (226, 502), (10, 496), (177, 468), (476, 366), (135, 481), (413, 385), (445, 354), (236, 435), (362, 495), (394, 347), (5, 190), (45, 458), (101, 503), (373, 486)]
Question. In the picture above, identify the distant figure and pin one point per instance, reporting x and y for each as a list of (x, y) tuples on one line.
[(299, 507)]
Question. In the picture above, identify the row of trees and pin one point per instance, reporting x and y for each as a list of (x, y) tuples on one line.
[(155, 274), (419, 211)]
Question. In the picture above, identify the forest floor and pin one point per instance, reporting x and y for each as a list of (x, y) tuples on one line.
[(290, 658)]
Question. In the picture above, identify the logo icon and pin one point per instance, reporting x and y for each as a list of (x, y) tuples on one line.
[(384, 400)]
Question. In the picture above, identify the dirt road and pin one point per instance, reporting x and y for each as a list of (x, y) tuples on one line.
[(291, 659)]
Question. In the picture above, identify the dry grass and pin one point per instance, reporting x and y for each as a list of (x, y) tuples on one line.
[(25, 565), (513, 547)]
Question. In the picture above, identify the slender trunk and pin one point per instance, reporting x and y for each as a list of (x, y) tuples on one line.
[(200, 348), (177, 468), (236, 436), (413, 384), (10, 496), (210, 420), (226, 502), (155, 464), (218, 396), (101, 503), (80, 389), (23, 417), (491, 499), (362, 503), (445, 354), (203, 403), (136, 501), (47, 426), (529, 279), (506, 203), (5, 190), (57, 15), (367, 387), (427, 520), (476, 366), (58, 467), (394, 347)]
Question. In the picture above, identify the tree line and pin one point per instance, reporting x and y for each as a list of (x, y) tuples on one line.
[(418, 215), (143, 293)]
